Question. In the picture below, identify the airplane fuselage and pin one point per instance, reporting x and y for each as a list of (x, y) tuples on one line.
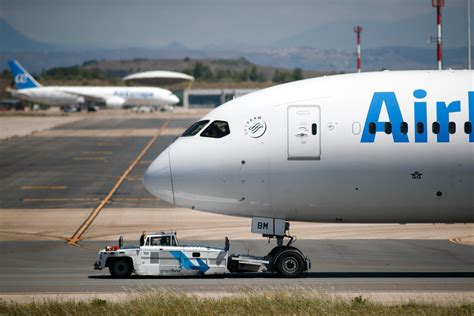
[(113, 96), (385, 147)]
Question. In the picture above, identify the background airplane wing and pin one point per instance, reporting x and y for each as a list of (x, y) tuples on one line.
[(114, 101), (87, 96)]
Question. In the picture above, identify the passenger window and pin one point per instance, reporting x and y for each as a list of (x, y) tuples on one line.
[(468, 128), (388, 128), (452, 127), (195, 128), (372, 128), (436, 128), (404, 127), (216, 129), (356, 128), (420, 128)]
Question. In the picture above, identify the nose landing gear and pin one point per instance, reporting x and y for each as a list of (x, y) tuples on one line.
[(286, 260)]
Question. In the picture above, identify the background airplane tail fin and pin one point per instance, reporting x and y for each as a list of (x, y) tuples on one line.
[(23, 79)]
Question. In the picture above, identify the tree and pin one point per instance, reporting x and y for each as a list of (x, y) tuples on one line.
[(253, 75), (297, 74), (281, 76), (243, 75), (202, 71)]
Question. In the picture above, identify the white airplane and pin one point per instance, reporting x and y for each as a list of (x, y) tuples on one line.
[(382, 147), (114, 97)]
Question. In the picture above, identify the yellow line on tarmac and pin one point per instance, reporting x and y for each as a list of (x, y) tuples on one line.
[(92, 216), (44, 187), (134, 178), (136, 199), (99, 152), (146, 162), (90, 158), (464, 240), (79, 199), (108, 144), (59, 199)]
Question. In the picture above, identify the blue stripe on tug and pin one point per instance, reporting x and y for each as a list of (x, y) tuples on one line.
[(187, 264)]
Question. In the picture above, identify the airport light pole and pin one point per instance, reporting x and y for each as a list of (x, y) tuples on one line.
[(358, 30), (469, 34), (438, 4)]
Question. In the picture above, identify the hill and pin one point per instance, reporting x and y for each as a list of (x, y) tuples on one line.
[(207, 69)]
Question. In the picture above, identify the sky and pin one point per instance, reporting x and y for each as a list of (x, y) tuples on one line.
[(254, 23)]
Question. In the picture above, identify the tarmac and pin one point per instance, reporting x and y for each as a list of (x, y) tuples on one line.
[(53, 183)]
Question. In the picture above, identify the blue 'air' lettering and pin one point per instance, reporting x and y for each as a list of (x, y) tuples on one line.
[(471, 114), (133, 94), (389, 99), (421, 116), (442, 114), (394, 115)]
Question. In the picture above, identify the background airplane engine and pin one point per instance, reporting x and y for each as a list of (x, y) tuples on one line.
[(114, 102)]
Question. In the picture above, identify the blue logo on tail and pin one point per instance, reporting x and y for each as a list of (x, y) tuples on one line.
[(23, 80)]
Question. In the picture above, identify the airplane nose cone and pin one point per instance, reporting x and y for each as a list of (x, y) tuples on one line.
[(157, 178), (173, 99)]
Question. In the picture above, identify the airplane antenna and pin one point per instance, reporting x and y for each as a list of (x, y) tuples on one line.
[(358, 30)]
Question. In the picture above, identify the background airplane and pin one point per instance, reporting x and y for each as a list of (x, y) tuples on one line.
[(27, 88)]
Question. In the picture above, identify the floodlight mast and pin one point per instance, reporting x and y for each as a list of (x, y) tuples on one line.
[(358, 30), (438, 4), (469, 34)]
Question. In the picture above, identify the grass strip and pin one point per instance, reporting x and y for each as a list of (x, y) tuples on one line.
[(258, 303)]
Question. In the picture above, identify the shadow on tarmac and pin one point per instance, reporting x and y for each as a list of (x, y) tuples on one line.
[(320, 275)]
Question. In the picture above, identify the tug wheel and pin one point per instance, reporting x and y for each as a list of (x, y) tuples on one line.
[(120, 268)]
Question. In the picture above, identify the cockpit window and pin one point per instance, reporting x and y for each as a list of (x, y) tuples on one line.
[(195, 128), (216, 129)]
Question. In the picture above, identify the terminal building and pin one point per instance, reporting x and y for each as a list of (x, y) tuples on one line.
[(210, 98), (190, 98)]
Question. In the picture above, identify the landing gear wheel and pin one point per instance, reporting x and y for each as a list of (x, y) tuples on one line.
[(120, 268), (290, 264)]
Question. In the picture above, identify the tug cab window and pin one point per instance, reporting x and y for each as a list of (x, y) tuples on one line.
[(162, 241), (195, 128), (216, 129)]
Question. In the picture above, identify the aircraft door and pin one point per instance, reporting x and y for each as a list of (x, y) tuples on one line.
[(304, 133)]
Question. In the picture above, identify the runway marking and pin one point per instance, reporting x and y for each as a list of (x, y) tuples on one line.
[(99, 152), (463, 240), (86, 199), (44, 187), (134, 178), (137, 199), (90, 158), (108, 144), (59, 199), (32, 234), (92, 216), (113, 133)]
